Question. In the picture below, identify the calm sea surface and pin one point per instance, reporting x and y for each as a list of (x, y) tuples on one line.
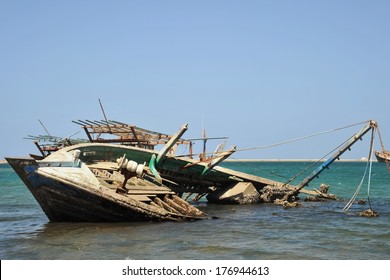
[(316, 230)]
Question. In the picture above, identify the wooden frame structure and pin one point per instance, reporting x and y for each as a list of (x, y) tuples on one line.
[(117, 132)]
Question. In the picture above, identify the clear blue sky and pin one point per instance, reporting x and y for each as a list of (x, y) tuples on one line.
[(259, 71)]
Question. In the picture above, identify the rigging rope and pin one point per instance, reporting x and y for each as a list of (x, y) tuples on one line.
[(350, 202), (368, 167), (369, 173), (314, 163), (288, 141), (301, 138), (319, 160)]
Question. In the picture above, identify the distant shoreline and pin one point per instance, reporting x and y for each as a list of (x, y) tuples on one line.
[(273, 160), (293, 160)]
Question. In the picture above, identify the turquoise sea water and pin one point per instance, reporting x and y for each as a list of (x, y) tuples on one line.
[(315, 230)]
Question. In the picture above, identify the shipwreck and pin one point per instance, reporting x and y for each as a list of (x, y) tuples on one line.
[(117, 175)]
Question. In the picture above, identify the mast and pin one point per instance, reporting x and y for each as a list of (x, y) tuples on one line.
[(357, 136)]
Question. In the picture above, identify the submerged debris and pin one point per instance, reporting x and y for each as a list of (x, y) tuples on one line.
[(368, 213), (312, 198), (362, 201), (282, 195), (286, 204), (240, 193), (277, 196), (324, 188), (272, 193)]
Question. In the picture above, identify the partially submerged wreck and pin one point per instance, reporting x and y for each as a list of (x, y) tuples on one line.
[(70, 190), (123, 178)]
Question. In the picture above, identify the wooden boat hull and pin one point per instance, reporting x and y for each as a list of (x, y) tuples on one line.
[(382, 156), (65, 201)]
